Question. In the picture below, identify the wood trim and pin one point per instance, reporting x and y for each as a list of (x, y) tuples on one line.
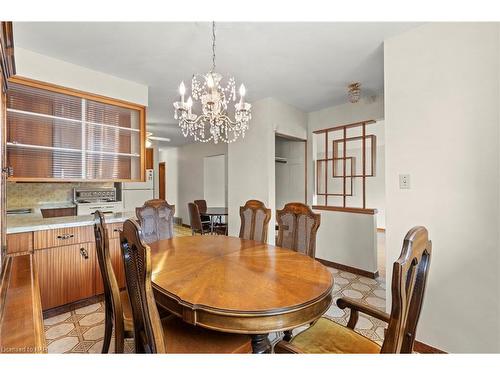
[(7, 60), (423, 348), (367, 122), (74, 92), (357, 271), (49, 313), (354, 210), (55, 179), (186, 225)]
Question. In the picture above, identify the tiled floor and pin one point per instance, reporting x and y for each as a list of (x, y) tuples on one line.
[(82, 330)]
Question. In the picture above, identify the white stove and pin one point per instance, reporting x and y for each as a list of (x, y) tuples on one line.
[(89, 201)]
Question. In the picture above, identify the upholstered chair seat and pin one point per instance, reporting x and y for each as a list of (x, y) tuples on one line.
[(326, 336)]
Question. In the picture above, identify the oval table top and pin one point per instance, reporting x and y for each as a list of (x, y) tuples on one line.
[(235, 285)]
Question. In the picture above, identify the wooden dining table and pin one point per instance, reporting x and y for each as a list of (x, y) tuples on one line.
[(241, 286)]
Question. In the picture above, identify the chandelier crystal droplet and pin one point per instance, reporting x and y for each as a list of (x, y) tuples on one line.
[(212, 99)]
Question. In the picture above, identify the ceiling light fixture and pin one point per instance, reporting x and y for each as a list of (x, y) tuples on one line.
[(212, 98), (354, 92)]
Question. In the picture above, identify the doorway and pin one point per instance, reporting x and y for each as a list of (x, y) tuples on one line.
[(162, 181)]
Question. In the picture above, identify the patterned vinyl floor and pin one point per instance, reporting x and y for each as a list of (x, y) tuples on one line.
[(82, 330)]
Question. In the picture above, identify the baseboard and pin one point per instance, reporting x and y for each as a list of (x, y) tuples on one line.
[(186, 225), (72, 306), (343, 267), (422, 348)]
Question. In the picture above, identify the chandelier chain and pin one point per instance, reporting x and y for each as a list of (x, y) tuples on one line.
[(213, 46)]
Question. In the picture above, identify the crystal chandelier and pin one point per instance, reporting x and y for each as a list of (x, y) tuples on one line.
[(213, 98)]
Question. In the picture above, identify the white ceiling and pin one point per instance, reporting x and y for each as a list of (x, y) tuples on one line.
[(307, 65)]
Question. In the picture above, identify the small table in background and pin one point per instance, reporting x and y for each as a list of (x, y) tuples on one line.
[(215, 212)]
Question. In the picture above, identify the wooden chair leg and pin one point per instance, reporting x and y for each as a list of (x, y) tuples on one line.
[(108, 330), (119, 340)]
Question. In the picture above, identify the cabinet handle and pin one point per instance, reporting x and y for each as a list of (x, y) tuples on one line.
[(84, 253), (65, 236), (116, 230)]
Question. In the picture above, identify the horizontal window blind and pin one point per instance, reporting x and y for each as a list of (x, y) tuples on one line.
[(51, 135)]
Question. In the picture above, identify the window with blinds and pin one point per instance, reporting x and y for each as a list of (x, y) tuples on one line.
[(55, 134)]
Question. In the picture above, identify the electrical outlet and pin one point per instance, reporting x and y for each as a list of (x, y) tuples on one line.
[(404, 181)]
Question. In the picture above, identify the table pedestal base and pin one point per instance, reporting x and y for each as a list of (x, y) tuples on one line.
[(261, 344)]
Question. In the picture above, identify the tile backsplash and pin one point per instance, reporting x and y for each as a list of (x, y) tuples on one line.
[(27, 195)]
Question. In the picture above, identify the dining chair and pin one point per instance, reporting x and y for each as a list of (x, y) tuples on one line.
[(409, 277), (255, 219), (197, 226), (297, 228), (118, 313), (202, 207), (170, 335), (156, 218)]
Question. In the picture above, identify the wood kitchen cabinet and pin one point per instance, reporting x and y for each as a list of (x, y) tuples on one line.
[(66, 273), (60, 134)]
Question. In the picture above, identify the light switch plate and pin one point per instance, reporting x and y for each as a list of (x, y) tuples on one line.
[(404, 181)]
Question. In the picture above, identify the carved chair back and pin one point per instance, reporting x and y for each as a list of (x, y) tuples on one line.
[(255, 219), (156, 218), (202, 205), (148, 332), (409, 277), (194, 217), (297, 228), (113, 305)]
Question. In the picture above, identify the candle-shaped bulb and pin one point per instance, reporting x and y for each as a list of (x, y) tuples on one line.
[(182, 91), (189, 102), (210, 80), (242, 92)]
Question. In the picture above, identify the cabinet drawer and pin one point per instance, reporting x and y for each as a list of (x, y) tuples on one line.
[(20, 243), (63, 236), (113, 230)]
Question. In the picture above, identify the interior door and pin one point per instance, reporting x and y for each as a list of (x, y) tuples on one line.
[(162, 181)]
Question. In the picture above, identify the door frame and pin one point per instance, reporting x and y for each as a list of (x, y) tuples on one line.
[(162, 166)]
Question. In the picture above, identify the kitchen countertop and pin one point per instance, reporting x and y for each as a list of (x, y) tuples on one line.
[(35, 222)]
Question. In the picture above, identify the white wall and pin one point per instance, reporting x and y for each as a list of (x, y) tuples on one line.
[(170, 157), (214, 180), (442, 128), (189, 171), (48, 69), (251, 169)]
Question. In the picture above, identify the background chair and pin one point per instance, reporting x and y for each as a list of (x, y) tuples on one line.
[(116, 304), (297, 228), (197, 226), (409, 276), (156, 218), (171, 335), (202, 207), (255, 219)]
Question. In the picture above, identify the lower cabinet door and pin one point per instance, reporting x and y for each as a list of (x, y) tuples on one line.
[(117, 262), (66, 273)]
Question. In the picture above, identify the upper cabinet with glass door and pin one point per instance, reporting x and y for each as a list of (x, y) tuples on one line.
[(58, 134)]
